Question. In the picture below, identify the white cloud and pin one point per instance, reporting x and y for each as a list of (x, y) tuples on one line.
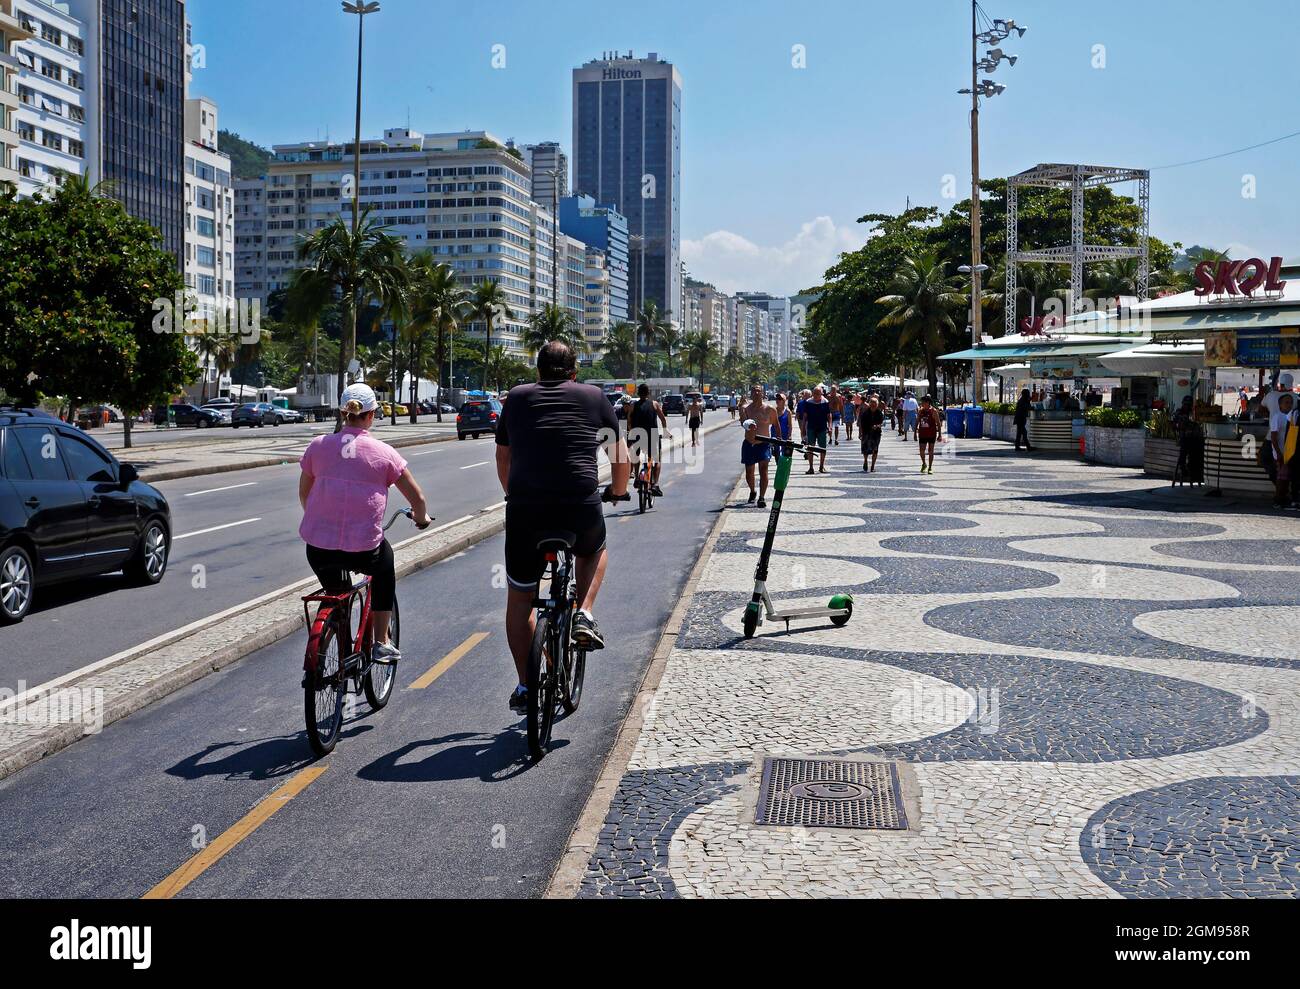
[(734, 263)]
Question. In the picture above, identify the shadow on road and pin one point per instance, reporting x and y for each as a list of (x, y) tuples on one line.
[(480, 756), (260, 759)]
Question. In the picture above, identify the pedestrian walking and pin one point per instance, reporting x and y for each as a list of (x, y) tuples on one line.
[(1022, 420), (733, 404), (816, 427), (910, 412), (783, 417), (694, 417), (871, 427), (760, 423), (852, 406), (837, 413), (928, 428)]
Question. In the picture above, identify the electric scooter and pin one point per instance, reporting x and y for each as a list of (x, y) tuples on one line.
[(760, 609)]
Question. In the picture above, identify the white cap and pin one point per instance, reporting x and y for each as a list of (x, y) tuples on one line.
[(1285, 382), (361, 394)]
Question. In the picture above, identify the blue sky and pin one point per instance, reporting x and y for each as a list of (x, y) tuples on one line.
[(780, 162)]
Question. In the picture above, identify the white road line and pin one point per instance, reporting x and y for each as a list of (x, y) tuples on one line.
[(441, 528), (427, 453), (232, 487), (215, 528), (472, 466), (492, 508)]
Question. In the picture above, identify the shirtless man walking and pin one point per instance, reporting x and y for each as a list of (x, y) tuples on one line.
[(760, 422), (837, 413)]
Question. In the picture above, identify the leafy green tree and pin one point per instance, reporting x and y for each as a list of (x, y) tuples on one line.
[(81, 286), (651, 325), (922, 304), (620, 350), (438, 302), (701, 351)]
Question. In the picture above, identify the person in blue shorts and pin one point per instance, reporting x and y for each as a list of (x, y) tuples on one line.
[(816, 427), (759, 421)]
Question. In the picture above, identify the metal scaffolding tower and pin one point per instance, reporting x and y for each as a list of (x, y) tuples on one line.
[(1076, 178)]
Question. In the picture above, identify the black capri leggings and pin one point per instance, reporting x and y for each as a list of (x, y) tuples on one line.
[(332, 567)]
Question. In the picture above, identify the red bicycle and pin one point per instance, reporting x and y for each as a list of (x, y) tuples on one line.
[(339, 662)]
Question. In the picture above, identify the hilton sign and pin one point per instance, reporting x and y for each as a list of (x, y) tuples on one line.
[(609, 75), (1238, 278)]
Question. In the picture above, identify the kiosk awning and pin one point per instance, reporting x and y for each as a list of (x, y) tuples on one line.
[(1156, 359)]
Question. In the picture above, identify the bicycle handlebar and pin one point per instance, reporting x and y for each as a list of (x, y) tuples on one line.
[(409, 514)]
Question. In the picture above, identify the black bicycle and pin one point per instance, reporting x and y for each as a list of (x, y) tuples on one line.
[(556, 666), (645, 490)]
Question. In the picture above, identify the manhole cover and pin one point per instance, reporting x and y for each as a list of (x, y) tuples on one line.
[(825, 793)]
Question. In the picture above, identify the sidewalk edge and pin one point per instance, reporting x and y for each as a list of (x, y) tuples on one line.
[(567, 877)]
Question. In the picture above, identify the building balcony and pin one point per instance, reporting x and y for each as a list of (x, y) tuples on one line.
[(11, 26)]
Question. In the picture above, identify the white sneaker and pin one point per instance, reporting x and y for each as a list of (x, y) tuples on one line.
[(385, 654)]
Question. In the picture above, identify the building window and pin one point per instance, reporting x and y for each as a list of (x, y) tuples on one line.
[(26, 131), (52, 35), (51, 70), (52, 141)]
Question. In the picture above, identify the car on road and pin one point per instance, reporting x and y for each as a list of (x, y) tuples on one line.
[(69, 509), (257, 414), (710, 403), (184, 414), (673, 404), (386, 409), (478, 417), (292, 416)]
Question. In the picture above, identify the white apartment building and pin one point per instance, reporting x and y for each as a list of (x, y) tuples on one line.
[(709, 310), (462, 196), (573, 277), (598, 300), (209, 212), (543, 160), (49, 115), (775, 341)]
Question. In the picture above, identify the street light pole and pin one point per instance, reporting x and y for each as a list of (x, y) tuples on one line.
[(977, 315), (361, 10)]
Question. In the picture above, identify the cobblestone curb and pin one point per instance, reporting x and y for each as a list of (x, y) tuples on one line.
[(567, 877)]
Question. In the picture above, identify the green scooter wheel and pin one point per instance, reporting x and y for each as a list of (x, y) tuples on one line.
[(751, 621), (842, 602)]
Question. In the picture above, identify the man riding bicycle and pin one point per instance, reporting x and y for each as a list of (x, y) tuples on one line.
[(547, 440), (644, 420)]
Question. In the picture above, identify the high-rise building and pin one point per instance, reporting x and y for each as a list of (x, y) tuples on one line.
[(603, 227), (463, 196), (776, 343), (715, 313), (50, 89), (627, 146), (209, 211), (135, 66), (550, 168), (597, 318), (250, 239), (573, 277)]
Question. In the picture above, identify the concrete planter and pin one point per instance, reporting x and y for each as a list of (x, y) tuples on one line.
[(1117, 447), (1160, 457), (999, 427)]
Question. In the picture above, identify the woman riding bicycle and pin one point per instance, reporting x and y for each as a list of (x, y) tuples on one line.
[(344, 491)]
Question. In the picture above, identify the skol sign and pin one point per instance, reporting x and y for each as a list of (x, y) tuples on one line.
[(1238, 277)]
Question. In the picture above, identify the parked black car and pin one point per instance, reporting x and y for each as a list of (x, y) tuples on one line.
[(69, 509), (478, 417), (673, 405), (192, 415)]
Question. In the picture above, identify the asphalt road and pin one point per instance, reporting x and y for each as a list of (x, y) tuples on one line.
[(242, 529), (146, 436), (431, 797)]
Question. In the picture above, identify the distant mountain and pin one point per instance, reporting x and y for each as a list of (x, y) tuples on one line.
[(247, 160)]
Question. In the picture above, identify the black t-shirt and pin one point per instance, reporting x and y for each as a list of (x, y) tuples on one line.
[(643, 416), (869, 417), (554, 429)]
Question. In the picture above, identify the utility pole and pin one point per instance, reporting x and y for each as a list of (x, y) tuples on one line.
[(977, 315)]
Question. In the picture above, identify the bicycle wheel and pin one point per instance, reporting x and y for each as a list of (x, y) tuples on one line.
[(380, 679), (575, 669), (643, 496), (323, 694), (541, 691)]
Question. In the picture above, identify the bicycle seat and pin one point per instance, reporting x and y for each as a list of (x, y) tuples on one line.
[(554, 542)]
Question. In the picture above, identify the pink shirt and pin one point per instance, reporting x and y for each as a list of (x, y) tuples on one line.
[(353, 472)]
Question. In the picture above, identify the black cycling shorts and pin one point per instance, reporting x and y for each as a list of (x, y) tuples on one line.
[(647, 443), (333, 566), (527, 523)]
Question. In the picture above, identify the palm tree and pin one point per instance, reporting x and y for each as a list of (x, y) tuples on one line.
[(1114, 279), (650, 326), (217, 351), (248, 354), (671, 338), (503, 366), (553, 322), (620, 348), (488, 301), (353, 268), (438, 301), (700, 351), (733, 369), (922, 304)]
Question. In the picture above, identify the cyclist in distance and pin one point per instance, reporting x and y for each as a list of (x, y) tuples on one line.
[(644, 420), (343, 490), (548, 438)]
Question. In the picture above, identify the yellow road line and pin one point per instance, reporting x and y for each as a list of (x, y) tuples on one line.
[(228, 839), (448, 661)]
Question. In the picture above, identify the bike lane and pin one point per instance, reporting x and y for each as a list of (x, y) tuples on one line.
[(431, 797)]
